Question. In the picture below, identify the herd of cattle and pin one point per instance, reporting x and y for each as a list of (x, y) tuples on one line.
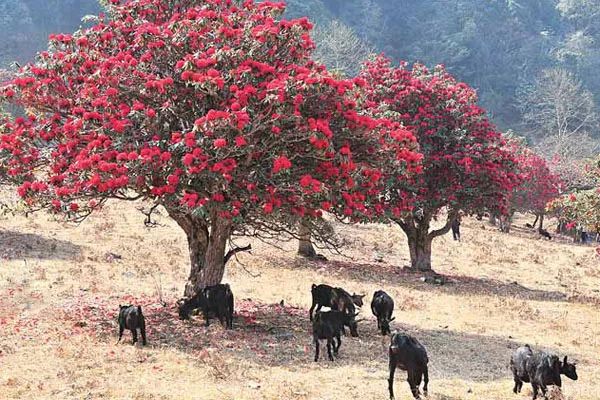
[(541, 369)]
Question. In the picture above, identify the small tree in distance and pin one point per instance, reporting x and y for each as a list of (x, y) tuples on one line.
[(465, 165), (212, 109), (538, 184)]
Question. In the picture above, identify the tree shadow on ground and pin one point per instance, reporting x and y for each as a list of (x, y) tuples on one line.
[(454, 284), (18, 245)]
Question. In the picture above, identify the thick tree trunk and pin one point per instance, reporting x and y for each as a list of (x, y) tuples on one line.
[(420, 239), (206, 248), (419, 245), (305, 247)]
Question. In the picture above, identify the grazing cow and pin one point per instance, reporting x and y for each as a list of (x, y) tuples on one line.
[(382, 307), (408, 354), (214, 301), (336, 298), (545, 233), (131, 317), (541, 369), (329, 325)]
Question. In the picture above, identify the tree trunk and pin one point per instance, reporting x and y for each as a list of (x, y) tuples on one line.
[(420, 239), (541, 221), (537, 217), (419, 245), (492, 219), (305, 247), (206, 247)]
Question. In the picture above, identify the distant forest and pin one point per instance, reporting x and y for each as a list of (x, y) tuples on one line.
[(514, 52)]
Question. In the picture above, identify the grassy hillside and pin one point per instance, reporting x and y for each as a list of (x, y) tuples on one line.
[(60, 287)]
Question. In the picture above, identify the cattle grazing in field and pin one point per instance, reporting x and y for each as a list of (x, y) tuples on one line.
[(132, 318), (382, 307), (214, 301), (540, 369), (545, 233), (408, 354), (335, 298), (329, 325)]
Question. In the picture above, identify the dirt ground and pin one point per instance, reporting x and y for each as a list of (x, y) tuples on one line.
[(61, 285)]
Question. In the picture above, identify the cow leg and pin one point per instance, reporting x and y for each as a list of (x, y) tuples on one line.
[(206, 322), (411, 382), (339, 340), (316, 349), (229, 320), (310, 312), (544, 390), (535, 390), (121, 329), (143, 332), (391, 379), (134, 334), (417, 377), (518, 384), (329, 340), (425, 380)]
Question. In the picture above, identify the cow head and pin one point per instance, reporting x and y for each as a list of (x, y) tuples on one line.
[(385, 325), (568, 369), (357, 299)]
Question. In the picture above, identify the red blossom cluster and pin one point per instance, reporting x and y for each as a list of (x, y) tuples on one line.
[(195, 104), (538, 184)]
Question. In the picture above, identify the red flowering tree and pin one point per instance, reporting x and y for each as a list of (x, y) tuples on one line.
[(538, 184), (465, 165), (212, 109)]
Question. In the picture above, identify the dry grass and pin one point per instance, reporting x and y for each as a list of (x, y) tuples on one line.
[(60, 287)]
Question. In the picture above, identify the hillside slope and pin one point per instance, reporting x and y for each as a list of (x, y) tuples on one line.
[(60, 287)]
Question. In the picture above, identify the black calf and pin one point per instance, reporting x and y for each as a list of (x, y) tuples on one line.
[(214, 301), (382, 307), (330, 325), (545, 233), (408, 354), (131, 317)]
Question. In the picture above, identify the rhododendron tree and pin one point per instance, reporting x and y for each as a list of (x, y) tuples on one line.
[(538, 184), (577, 211), (212, 109), (465, 165)]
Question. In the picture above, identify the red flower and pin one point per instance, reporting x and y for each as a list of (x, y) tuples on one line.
[(281, 162), (220, 142), (306, 180), (240, 141)]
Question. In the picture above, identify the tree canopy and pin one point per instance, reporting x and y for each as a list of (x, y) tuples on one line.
[(212, 109)]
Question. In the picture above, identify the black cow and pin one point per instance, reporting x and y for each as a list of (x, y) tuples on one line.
[(132, 318), (541, 369), (545, 233), (335, 298), (214, 301), (382, 307), (408, 354), (329, 325)]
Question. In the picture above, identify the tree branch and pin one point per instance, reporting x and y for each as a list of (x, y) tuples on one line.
[(234, 251)]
